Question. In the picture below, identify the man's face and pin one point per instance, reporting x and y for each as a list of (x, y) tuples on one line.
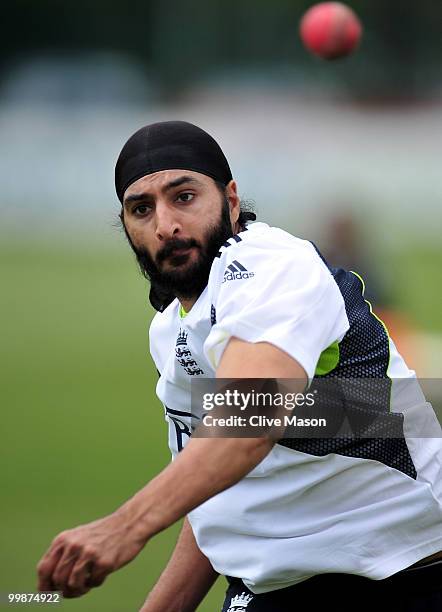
[(176, 220)]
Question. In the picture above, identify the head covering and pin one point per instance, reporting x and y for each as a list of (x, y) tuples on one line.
[(169, 145)]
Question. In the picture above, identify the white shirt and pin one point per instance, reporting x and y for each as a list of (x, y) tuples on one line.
[(296, 514)]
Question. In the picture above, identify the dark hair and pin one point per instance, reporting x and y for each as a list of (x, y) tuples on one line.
[(247, 207)]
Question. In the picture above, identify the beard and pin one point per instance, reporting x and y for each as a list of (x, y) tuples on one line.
[(188, 281)]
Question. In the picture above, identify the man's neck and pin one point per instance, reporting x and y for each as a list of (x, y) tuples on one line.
[(187, 303)]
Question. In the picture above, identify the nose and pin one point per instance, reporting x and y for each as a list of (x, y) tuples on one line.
[(167, 223)]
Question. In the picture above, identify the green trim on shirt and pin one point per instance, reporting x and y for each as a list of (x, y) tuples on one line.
[(183, 313), (328, 360)]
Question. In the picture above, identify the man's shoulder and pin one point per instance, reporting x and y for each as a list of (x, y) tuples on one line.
[(260, 240)]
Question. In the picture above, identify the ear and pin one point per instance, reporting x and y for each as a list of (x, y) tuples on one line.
[(234, 201)]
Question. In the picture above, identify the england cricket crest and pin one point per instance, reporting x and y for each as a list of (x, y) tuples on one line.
[(239, 603), (184, 356)]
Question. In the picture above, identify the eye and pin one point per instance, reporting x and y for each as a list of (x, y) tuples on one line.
[(141, 210), (186, 197)]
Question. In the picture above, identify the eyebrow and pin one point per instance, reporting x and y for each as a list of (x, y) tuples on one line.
[(181, 180)]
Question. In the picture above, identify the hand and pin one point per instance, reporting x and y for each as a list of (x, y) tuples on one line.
[(82, 558)]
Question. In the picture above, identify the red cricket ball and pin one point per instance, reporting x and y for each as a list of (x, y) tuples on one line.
[(330, 30)]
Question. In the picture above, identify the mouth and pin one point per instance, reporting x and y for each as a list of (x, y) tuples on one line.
[(178, 257), (181, 251)]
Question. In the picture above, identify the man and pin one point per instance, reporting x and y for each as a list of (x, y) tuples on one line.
[(305, 520)]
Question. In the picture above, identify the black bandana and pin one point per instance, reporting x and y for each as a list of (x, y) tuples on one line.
[(169, 145)]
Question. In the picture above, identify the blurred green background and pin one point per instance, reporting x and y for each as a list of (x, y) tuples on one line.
[(344, 153), (82, 430)]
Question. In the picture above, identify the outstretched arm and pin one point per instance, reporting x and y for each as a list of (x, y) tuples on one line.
[(81, 558)]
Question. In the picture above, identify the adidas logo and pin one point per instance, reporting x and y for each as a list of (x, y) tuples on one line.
[(240, 602), (236, 271)]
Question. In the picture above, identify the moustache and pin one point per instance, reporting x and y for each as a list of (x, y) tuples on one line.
[(174, 245)]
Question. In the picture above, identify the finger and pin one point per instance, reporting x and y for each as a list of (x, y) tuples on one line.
[(69, 592), (99, 572), (46, 567), (84, 576), (80, 574), (97, 580), (64, 567)]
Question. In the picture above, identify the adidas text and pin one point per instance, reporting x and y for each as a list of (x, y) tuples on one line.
[(228, 276)]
